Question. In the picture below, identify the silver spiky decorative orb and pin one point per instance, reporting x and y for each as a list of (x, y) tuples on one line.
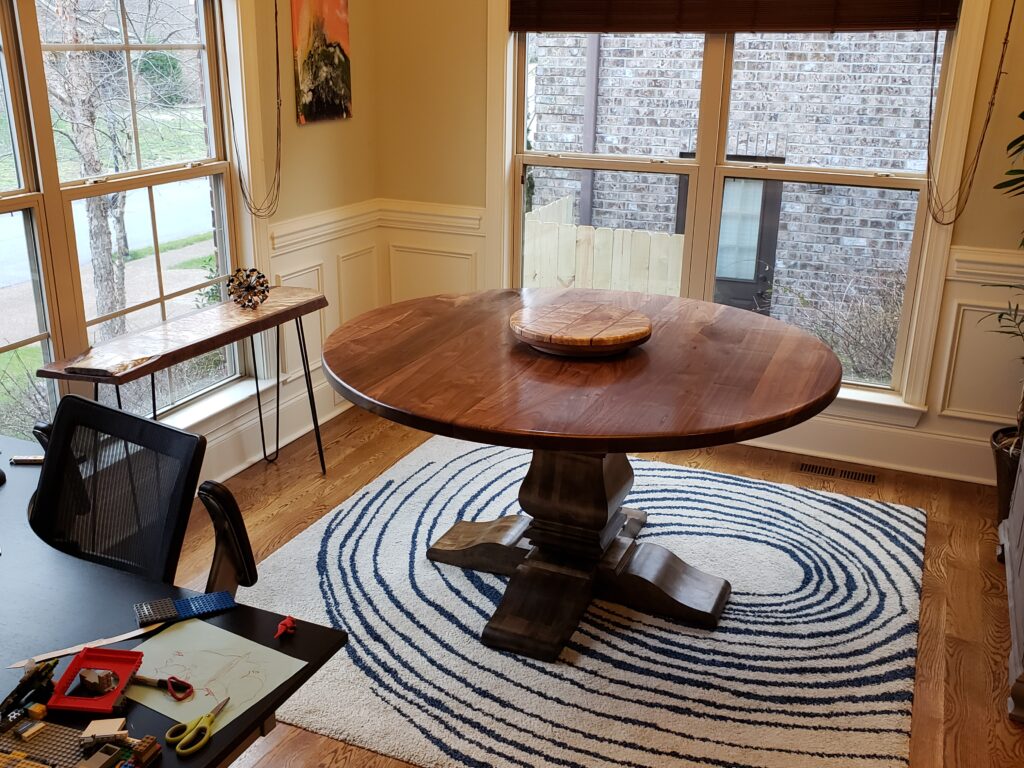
[(248, 287)]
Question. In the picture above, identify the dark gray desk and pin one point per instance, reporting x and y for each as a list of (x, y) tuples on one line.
[(51, 600)]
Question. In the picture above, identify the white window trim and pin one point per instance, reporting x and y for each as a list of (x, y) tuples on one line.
[(906, 404)]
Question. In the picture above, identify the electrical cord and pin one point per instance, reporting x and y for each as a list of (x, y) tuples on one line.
[(947, 212), (268, 206)]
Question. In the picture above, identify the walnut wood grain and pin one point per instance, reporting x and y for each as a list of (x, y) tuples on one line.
[(953, 705), (580, 328), (135, 355), (710, 374)]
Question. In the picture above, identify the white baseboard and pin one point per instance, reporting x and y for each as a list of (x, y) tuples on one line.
[(907, 450), (233, 432)]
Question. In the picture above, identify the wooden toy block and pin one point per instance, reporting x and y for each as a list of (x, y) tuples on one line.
[(29, 729)]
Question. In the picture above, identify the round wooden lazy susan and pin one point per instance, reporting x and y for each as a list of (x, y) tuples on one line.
[(580, 328)]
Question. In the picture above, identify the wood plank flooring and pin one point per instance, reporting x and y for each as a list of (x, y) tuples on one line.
[(959, 715)]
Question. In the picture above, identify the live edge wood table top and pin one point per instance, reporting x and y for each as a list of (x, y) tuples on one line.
[(710, 374), (132, 356)]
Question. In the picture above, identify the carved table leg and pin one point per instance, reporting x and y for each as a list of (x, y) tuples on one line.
[(1015, 702), (576, 543)]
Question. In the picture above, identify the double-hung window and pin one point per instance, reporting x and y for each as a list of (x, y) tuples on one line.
[(784, 172), (113, 136)]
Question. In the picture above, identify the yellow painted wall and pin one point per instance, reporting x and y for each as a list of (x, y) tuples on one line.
[(418, 130), (992, 220), (419, 126), (432, 92), (327, 164)]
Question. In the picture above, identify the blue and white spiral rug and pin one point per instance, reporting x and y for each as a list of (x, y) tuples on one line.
[(811, 665)]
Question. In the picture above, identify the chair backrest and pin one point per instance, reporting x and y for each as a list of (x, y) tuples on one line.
[(116, 488)]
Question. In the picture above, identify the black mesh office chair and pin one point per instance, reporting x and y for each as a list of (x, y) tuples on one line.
[(117, 489)]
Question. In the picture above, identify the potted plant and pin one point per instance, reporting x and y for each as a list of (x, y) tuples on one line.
[(1006, 442)]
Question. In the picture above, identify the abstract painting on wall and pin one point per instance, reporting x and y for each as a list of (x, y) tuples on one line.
[(323, 72)]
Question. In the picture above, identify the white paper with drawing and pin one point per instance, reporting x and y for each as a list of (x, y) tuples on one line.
[(217, 663)]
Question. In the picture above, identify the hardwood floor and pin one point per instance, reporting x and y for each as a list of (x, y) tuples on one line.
[(959, 715)]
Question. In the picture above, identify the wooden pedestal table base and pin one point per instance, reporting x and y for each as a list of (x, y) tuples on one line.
[(577, 543)]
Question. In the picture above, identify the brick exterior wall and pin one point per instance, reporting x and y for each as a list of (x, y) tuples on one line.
[(843, 100)]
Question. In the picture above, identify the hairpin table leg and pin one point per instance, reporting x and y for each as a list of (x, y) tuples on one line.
[(96, 391), (152, 392), (117, 391), (309, 392), (259, 402)]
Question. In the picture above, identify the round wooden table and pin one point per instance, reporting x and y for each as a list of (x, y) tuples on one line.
[(710, 374)]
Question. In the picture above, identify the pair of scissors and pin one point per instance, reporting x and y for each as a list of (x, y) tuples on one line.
[(180, 690), (189, 738)]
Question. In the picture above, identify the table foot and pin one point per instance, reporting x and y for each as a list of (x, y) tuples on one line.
[(541, 608), (651, 579), (497, 546)]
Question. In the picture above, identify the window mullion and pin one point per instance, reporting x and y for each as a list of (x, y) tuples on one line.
[(130, 80), (16, 100), (156, 254), (69, 330), (711, 127)]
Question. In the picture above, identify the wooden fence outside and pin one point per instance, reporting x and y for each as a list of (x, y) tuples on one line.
[(560, 254)]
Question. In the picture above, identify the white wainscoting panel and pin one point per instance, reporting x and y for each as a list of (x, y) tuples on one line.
[(314, 325), (984, 371), (417, 271), (358, 282)]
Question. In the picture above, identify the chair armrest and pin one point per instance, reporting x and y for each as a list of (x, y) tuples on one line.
[(233, 561), (42, 431)]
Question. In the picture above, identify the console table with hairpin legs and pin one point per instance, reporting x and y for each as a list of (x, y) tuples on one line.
[(135, 355)]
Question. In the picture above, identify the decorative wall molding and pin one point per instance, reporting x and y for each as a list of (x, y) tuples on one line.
[(429, 217), (358, 254), (298, 234), (303, 232), (292, 368), (360, 285), (948, 408), (986, 265), (430, 271)]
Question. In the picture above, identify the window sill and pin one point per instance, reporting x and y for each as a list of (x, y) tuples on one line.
[(221, 404), (875, 406)]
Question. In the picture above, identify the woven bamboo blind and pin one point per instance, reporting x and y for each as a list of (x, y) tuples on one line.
[(730, 15)]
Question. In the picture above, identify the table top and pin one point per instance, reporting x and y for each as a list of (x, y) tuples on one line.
[(710, 374), (52, 600), (134, 355)]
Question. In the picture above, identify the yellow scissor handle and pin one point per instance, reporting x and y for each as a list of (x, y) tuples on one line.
[(191, 737)]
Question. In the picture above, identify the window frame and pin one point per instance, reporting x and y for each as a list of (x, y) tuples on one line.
[(707, 173), (50, 200)]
